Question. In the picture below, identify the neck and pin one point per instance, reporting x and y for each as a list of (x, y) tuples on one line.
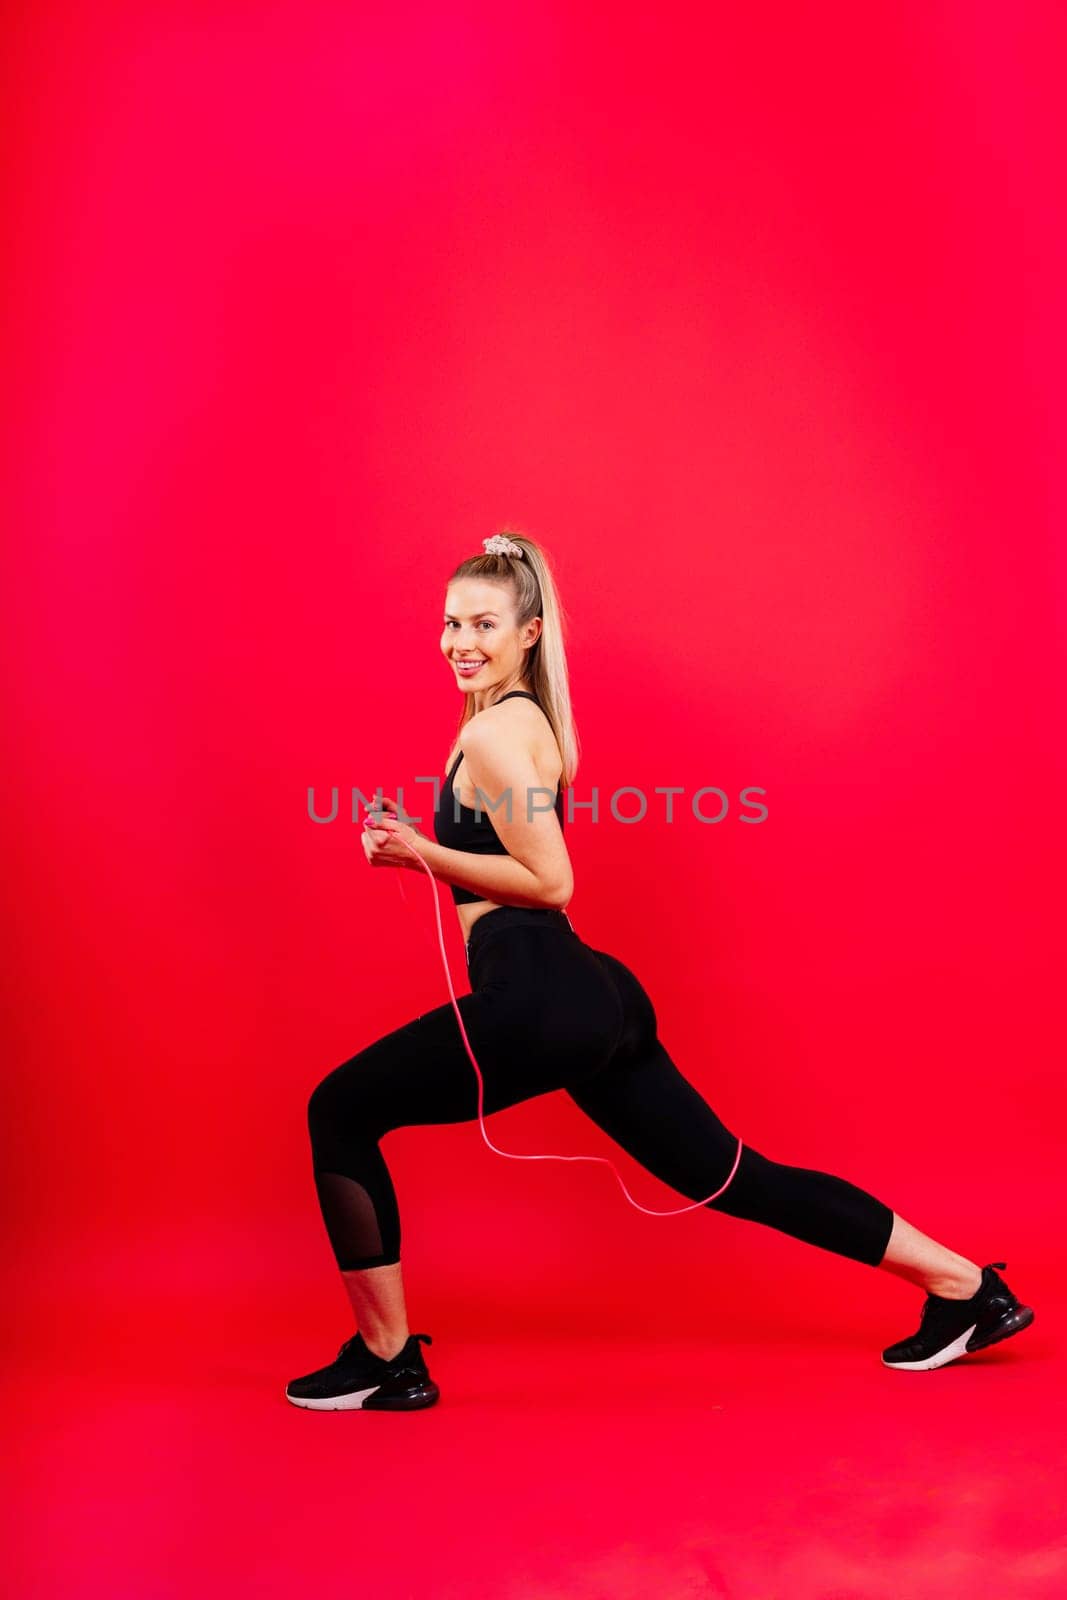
[(481, 700)]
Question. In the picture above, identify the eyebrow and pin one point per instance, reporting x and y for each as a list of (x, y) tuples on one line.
[(450, 618)]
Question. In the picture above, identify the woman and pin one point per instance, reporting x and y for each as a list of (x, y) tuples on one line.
[(546, 1011)]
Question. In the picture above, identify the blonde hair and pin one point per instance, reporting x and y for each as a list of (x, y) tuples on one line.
[(529, 577)]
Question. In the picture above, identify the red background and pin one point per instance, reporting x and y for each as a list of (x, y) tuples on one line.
[(754, 319)]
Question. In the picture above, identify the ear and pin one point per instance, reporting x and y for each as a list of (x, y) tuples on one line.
[(533, 632)]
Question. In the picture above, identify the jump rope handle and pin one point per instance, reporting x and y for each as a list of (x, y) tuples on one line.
[(512, 1155)]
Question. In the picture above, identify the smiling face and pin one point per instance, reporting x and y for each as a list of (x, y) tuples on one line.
[(481, 642)]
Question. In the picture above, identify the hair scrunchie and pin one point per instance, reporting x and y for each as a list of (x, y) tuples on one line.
[(501, 545)]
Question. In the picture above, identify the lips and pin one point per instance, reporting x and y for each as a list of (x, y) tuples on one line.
[(469, 668)]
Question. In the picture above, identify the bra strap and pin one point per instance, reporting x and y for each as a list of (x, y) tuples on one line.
[(526, 695)]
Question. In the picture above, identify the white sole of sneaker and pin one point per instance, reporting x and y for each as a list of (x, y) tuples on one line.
[(940, 1358), (337, 1402)]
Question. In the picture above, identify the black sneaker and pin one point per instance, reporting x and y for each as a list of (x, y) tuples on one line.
[(949, 1329), (361, 1381)]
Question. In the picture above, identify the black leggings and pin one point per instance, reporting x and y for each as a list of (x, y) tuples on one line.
[(548, 1012)]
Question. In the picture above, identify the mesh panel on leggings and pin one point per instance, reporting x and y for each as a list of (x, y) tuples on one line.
[(351, 1220)]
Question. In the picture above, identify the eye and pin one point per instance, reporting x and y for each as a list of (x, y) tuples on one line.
[(487, 623)]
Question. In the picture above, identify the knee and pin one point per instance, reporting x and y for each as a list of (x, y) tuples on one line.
[(320, 1112), (339, 1096), (753, 1179), (319, 1104)]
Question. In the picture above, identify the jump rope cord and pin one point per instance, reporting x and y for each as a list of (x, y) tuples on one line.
[(513, 1155)]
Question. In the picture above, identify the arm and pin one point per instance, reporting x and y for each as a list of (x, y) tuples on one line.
[(537, 869), (498, 878)]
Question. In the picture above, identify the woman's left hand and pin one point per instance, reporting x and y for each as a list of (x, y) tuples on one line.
[(382, 836)]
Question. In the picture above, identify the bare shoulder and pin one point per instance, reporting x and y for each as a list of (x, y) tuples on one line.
[(516, 718), (513, 727)]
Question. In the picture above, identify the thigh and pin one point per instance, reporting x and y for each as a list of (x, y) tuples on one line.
[(421, 1072), (642, 1100)]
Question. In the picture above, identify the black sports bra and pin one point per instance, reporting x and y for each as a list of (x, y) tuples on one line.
[(461, 827)]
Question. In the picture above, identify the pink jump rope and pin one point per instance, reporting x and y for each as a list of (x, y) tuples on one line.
[(511, 1154)]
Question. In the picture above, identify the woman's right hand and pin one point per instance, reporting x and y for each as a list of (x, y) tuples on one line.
[(382, 845)]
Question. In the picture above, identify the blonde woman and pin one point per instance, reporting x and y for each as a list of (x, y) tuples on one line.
[(546, 1011)]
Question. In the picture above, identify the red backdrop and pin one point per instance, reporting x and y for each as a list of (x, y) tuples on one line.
[(755, 323)]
